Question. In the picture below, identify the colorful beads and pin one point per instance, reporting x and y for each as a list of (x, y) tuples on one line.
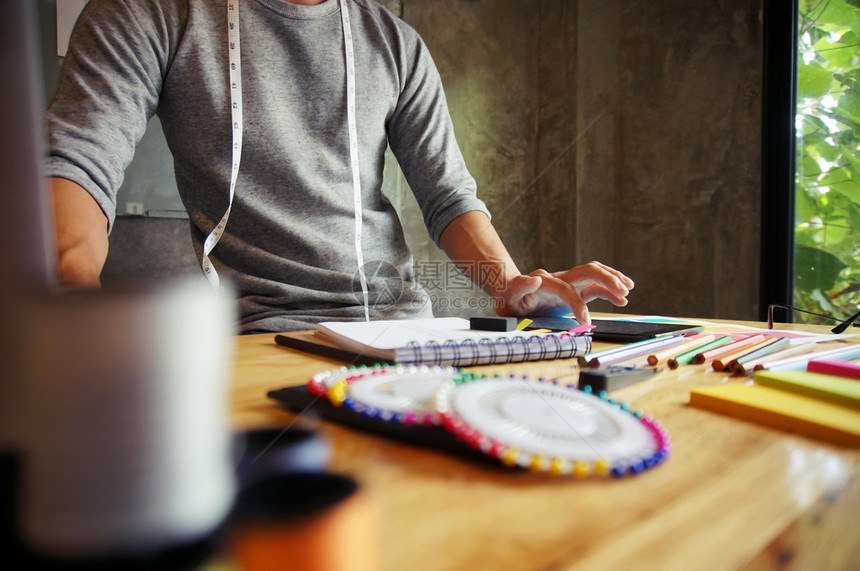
[(601, 467), (510, 456), (557, 467), (537, 463), (317, 387), (337, 393), (495, 449), (581, 469), (383, 405)]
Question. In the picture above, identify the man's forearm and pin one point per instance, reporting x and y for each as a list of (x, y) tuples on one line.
[(471, 242), (81, 234)]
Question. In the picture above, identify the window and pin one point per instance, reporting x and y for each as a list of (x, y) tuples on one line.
[(827, 164)]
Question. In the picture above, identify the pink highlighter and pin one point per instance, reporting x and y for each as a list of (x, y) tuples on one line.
[(845, 369)]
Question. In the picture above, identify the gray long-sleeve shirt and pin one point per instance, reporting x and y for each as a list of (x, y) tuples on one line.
[(288, 246)]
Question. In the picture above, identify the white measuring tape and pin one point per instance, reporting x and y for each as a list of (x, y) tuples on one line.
[(237, 125), (353, 148)]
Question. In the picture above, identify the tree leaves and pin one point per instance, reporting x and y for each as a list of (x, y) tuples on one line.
[(815, 268), (827, 201), (813, 81)]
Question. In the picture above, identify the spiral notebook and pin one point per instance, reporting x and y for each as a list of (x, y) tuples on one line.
[(449, 341)]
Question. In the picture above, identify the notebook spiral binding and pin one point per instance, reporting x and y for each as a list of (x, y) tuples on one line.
[(499, 351)]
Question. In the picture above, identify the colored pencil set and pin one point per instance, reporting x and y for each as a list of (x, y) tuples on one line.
[(737, 356)]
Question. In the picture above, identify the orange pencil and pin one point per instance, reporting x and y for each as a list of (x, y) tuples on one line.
[(691, 343), (748, 367), (723, 361), (726, 349), (755, 354)]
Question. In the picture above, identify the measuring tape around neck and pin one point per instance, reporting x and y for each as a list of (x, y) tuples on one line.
[(237, 126), (353, 148)]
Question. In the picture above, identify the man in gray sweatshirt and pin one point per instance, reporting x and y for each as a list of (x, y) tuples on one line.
[(291, 241)]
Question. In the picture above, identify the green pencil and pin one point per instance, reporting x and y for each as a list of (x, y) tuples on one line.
[(686, 358)]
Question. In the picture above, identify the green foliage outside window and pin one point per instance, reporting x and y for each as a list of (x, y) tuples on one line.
[(827, 208)]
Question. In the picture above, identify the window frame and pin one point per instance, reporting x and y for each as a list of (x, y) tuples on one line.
[(779, 105)]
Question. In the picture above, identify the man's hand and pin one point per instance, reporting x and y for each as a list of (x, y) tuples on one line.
[(557, 293), (471, 237)]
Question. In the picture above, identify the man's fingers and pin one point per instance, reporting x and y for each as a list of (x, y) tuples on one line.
[(566, 292), (598, 273), (542, 292), (595, 291)]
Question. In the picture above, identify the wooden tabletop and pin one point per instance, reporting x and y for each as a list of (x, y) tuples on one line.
[(731, 495)]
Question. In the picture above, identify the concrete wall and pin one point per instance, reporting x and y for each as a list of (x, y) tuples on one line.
[(616, 130), (619, 130), (689, 163)]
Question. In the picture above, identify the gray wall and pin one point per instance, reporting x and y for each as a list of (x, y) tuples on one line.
[(618, 130)]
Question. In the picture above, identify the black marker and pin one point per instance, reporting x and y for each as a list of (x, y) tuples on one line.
[(324, 350)]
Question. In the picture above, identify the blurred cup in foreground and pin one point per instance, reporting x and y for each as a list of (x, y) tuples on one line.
[(127, 444)]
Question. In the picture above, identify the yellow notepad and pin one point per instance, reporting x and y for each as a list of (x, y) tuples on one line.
[(783, 410), (817, 385)]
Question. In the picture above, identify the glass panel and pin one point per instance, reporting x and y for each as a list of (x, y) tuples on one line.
[(827, 202)]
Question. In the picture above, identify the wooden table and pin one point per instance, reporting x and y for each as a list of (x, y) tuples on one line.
[(732, 494)]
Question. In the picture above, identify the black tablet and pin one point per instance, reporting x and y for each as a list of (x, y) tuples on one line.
[(616, 330)]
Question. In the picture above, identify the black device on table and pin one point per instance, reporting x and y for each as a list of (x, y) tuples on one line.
[(616, 330)]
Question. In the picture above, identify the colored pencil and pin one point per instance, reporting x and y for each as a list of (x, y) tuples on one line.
[(690, 344), (801, 361), (687, 358), (769, 349), (631, 350), (726, 349), (749, 366), (726, 362), (584, 359)]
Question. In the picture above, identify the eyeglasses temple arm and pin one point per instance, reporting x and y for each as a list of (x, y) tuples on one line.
[(845, 324)]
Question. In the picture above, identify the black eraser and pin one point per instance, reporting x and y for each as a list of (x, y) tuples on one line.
[(494, 323)]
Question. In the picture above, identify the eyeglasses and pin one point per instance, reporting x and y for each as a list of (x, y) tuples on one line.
[(841, 327)]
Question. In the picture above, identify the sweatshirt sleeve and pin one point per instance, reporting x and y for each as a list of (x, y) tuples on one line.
[(107, 91), (421, 136)]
